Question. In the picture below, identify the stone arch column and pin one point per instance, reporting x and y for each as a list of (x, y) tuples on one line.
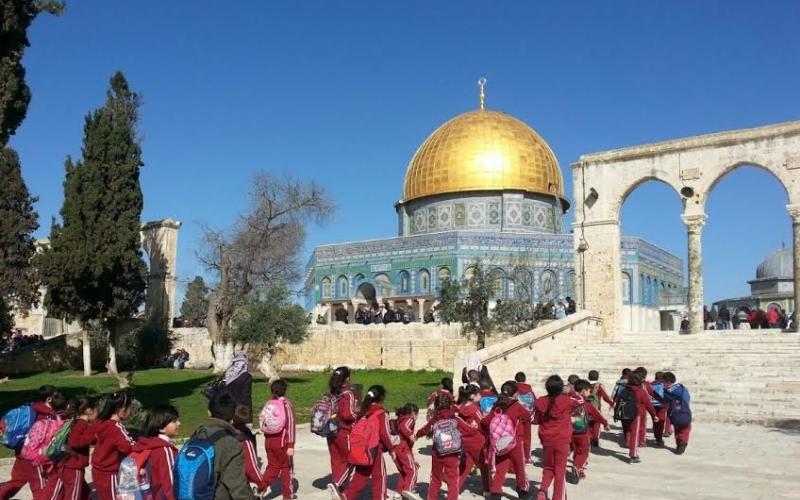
[(160, 241), (691, 166), (794, 213)]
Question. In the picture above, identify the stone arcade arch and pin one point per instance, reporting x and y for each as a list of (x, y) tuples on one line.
[(691, 166)]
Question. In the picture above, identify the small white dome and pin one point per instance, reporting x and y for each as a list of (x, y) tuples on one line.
[(777, 265)]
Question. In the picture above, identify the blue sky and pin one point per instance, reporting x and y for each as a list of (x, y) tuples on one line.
[(344, 92)]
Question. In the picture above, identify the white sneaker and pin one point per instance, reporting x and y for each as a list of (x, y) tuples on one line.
[(334, 491), (409, 495)]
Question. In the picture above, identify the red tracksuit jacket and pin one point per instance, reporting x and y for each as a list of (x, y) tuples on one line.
[(113, 444), (524, 388), (602, 394), (161, 461), (252, 470), (285, 438), (555, 427), (405, 429), (80, 438), (347, 409), (471, 414), (436, 394)]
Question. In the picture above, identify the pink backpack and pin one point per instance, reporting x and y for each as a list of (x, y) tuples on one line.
[(502, 433), (39, 438), (273, 417)]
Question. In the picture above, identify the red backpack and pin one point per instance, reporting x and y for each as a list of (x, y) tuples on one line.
[(364, 439)]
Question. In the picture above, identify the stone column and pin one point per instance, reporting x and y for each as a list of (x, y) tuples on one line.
[(794, 213), (421, 309), (694, 228), (598, 271)]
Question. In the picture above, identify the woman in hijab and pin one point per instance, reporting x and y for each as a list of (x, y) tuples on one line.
[(238, 382)]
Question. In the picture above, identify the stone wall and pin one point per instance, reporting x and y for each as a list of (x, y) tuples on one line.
[(59, 353), (395, 346)]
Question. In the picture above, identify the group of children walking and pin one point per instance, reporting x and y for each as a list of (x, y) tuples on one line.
[(476, 429)]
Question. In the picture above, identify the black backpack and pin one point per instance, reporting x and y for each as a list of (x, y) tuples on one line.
[(626, 406)]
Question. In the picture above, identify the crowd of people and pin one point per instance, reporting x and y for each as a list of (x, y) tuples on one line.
[(476, 426), (13, 340), (746, 318)]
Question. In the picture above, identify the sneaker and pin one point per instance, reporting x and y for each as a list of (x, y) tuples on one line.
[(681, 448), (595, 443), (409, 495), (634, 460), (334, 491), (576, 474), (541, 496), (581, 474), (660, 442)]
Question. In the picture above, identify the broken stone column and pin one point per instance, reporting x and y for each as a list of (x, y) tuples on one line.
[(694, 228)]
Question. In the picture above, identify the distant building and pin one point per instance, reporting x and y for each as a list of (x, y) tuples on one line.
[(772, 286)]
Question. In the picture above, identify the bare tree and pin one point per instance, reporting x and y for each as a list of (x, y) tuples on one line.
[(261, 250)]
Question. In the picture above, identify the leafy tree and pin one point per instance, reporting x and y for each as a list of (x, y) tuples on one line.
[(467, 302), (261, 250), (195, 302), (18, 279), (93, 268), (268, 319)]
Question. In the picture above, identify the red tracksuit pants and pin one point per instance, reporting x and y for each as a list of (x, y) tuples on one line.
[(682, 434), (580, 450), (594, 429), (23, 472), (66, 484), (407, 469), (632, 430), (527, 443), (339, 451), (658, 427), (515, 461), (474, 456), (279, 464), (444, 470), (362, 475), (105, 484), (554, 470)]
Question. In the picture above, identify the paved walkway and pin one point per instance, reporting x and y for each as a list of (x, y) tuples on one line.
[(723, 461)]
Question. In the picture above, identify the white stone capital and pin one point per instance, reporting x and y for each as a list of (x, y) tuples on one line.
[(694, 223), (794, 212)]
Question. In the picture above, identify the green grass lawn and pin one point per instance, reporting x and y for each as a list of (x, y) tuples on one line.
[(182, 389)]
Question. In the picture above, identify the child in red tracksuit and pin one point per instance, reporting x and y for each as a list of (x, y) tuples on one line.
[(597, 395), (24, 472), (371, 407), (346, 414), (444, 468), (113, 444), (648, 388), (514, 459), (403, 453), (474, 444), (280, 445), (155, 449), (242, 420), (581, 429), (526, 391), (446, 387), (67, 479), (553, 415), (631, 428)]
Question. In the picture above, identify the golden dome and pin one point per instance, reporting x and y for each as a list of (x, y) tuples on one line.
[(483, 150)]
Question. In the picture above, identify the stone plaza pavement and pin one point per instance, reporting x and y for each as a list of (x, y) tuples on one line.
[(722, 461)]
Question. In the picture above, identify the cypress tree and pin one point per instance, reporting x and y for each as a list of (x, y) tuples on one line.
[(93, 268), (195, 302), (18, 220)]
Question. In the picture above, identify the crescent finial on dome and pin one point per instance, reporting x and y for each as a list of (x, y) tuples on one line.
[(482, 96)]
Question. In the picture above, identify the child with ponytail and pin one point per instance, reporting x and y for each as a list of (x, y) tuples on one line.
[(403, 453), (553, 415), (346, 413), (371, 408), (113, 444)]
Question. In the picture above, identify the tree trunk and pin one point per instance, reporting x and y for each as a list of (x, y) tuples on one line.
[(87, 354), (223, 353), (265, 366), (481, 340), (111, 362)]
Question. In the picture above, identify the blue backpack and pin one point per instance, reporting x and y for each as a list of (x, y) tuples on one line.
[(194, 468), (527, 400), (15, 426), (487, 403), (658, 388), (680, 414)]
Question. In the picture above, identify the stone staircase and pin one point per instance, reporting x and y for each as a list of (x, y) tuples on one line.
[(734, 376)]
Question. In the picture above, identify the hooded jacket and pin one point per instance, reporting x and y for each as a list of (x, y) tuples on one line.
[(555, 422), (463, 427), (160, 464), (113, 444)]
